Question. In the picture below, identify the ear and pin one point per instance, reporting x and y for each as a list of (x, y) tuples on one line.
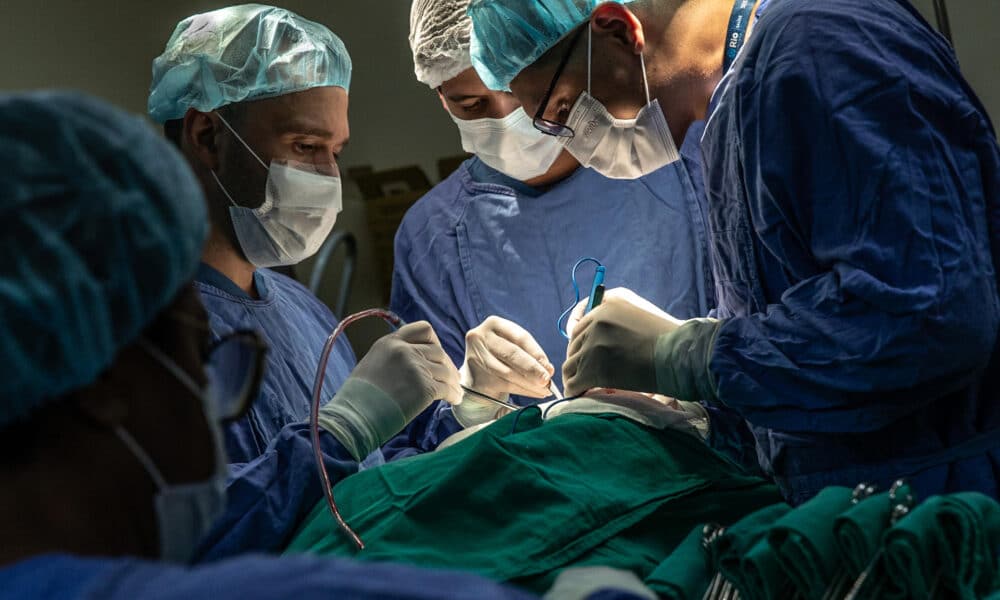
[(201, 132), (614, 20), (444, 103)]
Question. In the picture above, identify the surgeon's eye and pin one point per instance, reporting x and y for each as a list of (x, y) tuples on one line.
[(475, 107), (301, 148)]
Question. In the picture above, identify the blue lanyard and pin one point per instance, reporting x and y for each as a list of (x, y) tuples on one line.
[(739, 21)]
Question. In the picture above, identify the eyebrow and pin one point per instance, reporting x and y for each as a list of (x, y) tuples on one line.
[(462, 97), (302, 128)]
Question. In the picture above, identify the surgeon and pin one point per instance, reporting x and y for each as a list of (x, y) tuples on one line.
[(256, 99), (853, 184), (486, 255), (113, 389)]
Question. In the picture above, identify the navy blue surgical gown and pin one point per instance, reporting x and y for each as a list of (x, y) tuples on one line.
[(853, 184), (295, 325), (482, 244), (63, 577)]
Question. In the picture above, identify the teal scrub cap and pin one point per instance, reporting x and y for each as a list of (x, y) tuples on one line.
[(101, 224), (240, 53), (509, 35)]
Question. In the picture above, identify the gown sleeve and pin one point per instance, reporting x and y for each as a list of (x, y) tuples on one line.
[(267, 498), (860, 162)]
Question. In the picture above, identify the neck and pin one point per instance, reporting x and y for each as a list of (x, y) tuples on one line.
[(684, 60), (564, 166), (220, 254)]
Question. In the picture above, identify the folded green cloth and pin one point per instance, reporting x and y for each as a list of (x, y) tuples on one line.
[(859, 530), (967, 536), (910, 553), (684, 575), (804, 543), (744, 557)]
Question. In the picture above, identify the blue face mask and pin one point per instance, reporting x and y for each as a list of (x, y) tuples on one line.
[(184, 512)]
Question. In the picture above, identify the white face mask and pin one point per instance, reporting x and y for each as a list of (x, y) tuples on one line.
[(619, 148), (510, 145), (299, 211), (184, 513)]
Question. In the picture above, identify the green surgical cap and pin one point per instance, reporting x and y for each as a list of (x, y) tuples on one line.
[(240, 53), (101, 224), (509, 35)]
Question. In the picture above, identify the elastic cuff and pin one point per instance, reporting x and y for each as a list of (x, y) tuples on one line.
[(682, 360), (362, 417)]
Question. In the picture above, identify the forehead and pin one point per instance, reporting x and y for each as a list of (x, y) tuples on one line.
[(319, 111), (466, 83)]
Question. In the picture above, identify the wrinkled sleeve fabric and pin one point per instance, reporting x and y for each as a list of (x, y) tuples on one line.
[(249, 577), (269, 497), (863, 181), (425, 280), (418, 293)]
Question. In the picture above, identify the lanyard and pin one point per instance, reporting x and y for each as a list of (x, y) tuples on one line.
[(736, 35)]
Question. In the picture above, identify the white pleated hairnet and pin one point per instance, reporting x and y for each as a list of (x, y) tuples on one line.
[(439, 39)]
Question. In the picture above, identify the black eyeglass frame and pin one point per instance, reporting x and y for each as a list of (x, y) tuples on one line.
[(546, 126), (252, 339)]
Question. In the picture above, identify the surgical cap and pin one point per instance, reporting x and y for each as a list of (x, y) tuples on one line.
[(239, 53), (439, 38), (101, 224), (509, 35)]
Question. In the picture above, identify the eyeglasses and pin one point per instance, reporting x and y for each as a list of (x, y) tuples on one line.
[(234, 365), (547, 126)]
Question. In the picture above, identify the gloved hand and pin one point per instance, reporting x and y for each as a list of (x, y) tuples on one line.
[(501, 358), (402, 374), (626, 343), (622, 293)]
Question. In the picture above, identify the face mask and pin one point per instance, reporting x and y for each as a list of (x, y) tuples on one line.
[(300, 208), (184, 513), (619, 148), (510, 145)]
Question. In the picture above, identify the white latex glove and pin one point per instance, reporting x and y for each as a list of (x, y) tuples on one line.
[(402, 374), (622, 293), (502, 358), (613, 345)]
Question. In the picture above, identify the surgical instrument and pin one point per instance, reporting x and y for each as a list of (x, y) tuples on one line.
[(596, 291), (483, 396), (395, 322)]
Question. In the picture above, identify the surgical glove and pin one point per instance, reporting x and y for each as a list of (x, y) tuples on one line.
[(622, 293), (502, 358), (613, 345), (402, 374), (682, 360)]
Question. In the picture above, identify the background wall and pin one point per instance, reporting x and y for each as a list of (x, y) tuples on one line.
[(105, 47)]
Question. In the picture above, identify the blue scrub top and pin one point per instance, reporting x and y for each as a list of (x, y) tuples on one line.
[(64, 577), (482, 244), (853, 181), (295, 325)]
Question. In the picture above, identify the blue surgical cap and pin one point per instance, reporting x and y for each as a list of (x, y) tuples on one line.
[(239, 53), (101, 224), (509, 35)]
